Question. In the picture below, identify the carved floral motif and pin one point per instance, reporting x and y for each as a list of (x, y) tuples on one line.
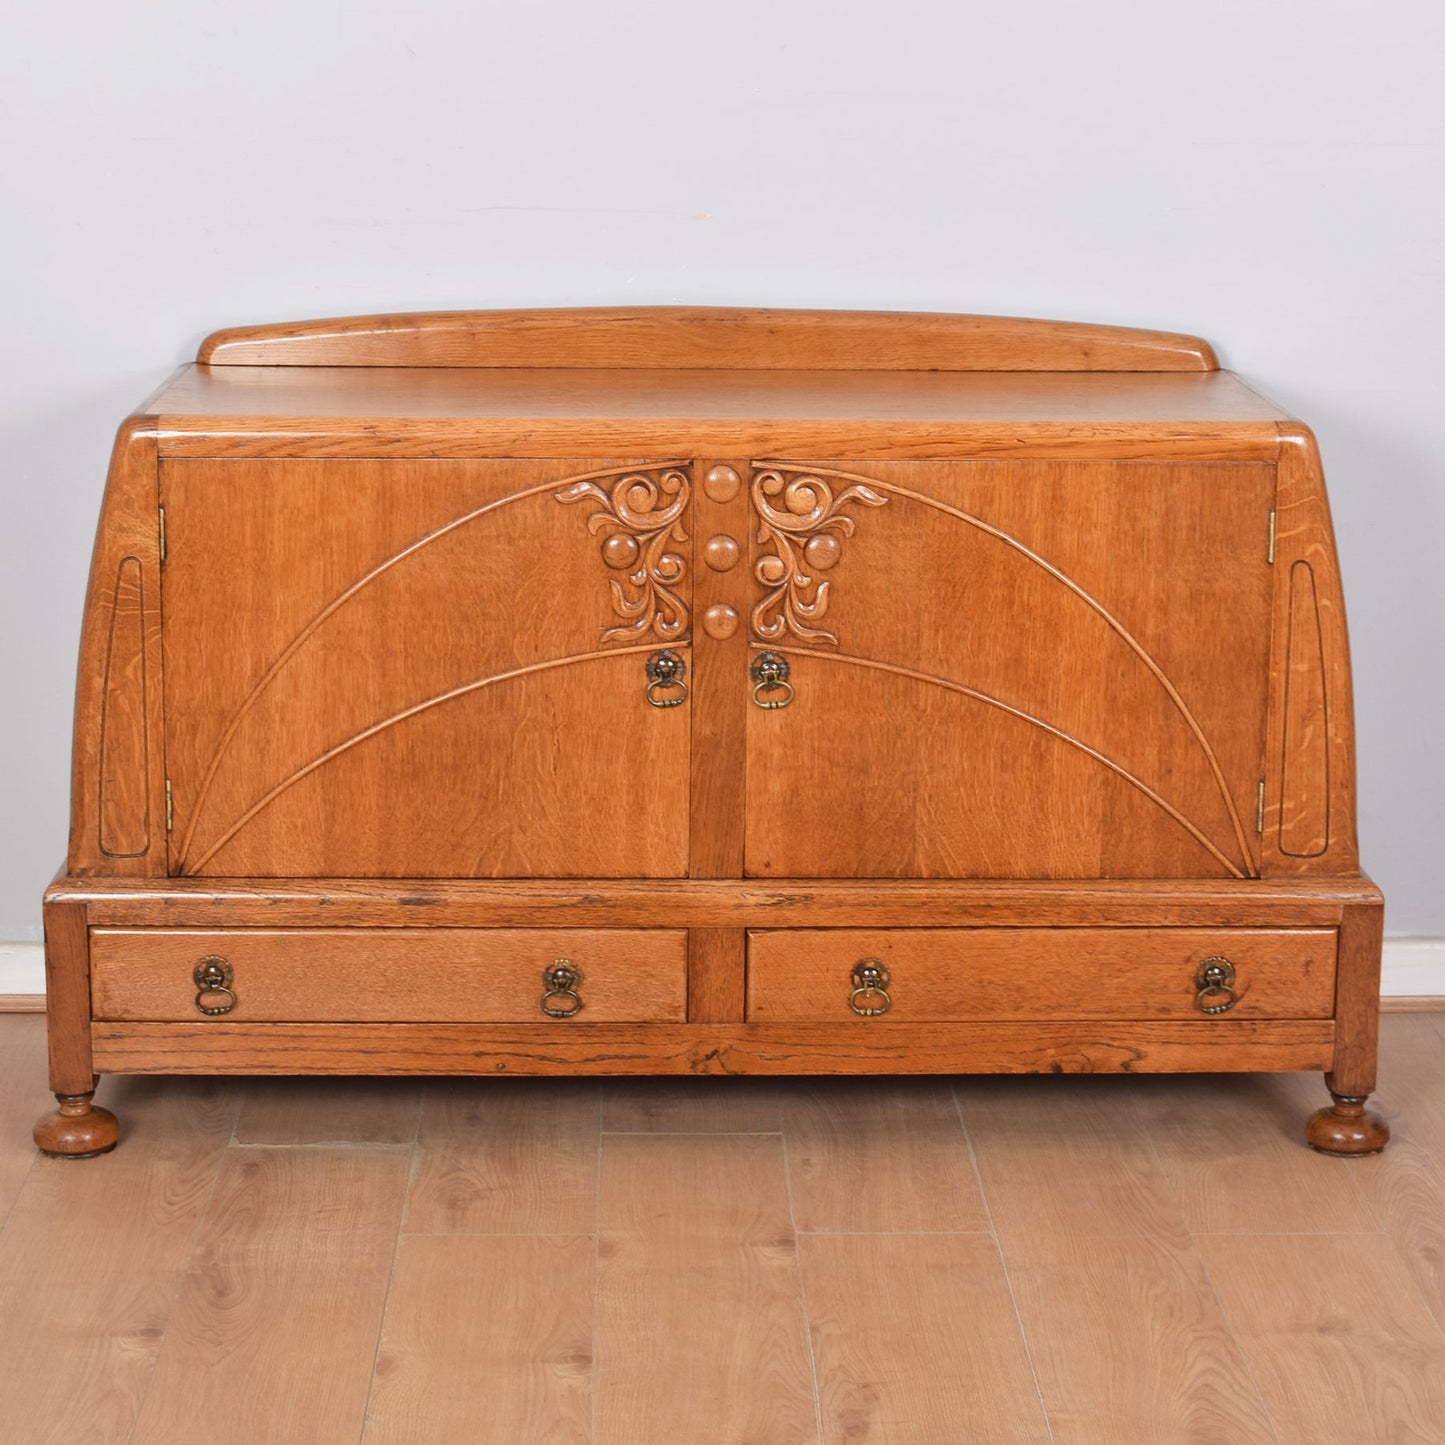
[(805, 535), (640, 513)]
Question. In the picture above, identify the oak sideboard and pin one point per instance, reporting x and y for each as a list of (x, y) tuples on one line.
[(684, 691)]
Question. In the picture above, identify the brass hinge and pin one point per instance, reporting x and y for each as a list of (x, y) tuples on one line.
[(1259, 810), (161, 530), (1271, 537), (170, 808)]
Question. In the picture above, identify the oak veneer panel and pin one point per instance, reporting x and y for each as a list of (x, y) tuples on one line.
[(700, 1106), (889, 1155), (899, 1360), (1231, 1154), (1338, 1341), (1046, 973), (1304, 825), (397, 974), (329, 1111), (707, 337), (291, 1269), (91, 1260), (483, 1346), (1064, 666), (513, 1157), (1007, 1048), (700, 1332), (392, 626), (1129, 1344)]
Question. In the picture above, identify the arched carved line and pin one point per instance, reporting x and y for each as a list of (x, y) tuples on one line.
[(1112, 622), (400, 717), (340, 601), (943, 682)]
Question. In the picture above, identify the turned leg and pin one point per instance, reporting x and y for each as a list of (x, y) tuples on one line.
[(1346, 1128), (77, 1129)]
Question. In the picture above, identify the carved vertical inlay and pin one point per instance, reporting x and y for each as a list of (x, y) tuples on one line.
[(805, 537), (124, 788), (1304, 818), (640, 513)]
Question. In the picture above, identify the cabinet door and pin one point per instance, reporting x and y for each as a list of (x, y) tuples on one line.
[(424, 668), (1011, 669)]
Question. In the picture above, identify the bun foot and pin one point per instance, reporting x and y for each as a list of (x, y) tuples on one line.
[(1346, 1129), (77, 1129)]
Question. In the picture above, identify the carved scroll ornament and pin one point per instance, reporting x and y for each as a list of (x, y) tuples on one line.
[(805, 536), (640, 513)]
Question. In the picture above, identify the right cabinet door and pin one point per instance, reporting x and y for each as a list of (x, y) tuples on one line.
[(1009, 669)]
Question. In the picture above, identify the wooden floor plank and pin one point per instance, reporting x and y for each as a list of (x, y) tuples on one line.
[(274, 1334), (513, 1156), (23, 1099), (1233, 1151), (1340, 1343), (486, 1342), (700, 1333), (901, 1359), (1065, 1158), (92, 1257), (329, 1111), (690, 1106), (1130, 1345), (884, 1155)]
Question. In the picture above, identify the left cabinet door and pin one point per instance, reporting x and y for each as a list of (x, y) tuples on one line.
[(425, 668)]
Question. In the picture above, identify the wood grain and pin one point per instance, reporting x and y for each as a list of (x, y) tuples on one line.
[(117, 685), (865, 1158), (1130, 1345), (292, 1267), (893, 1364), (124, 765), (716, 970), (22, 1074), (715, 903), (67, 994), (1304, 814), (513, 1157), (1043, 973), (329, 1111), (1357, 1002), (487, 1346), (698, 1287), (1338, 1341), (709, 337), (1006, 1048), (701, 1106), (419, 974), (91, 1260)]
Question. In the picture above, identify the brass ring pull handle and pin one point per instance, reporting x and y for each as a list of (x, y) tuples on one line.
[(769, 673), (870, 988), (212, 978), (666, 670), (1215, 981), (561, 1000)]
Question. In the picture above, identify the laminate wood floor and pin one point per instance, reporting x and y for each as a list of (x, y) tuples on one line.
[(1098, 1261)]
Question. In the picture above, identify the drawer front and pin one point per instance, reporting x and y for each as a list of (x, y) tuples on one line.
[(394, 975), (958, 974)]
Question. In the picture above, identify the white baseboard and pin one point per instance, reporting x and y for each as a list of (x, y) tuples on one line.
[(1413, 968)]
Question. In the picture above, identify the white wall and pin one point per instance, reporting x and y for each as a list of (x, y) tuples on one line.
[(1265, 172)]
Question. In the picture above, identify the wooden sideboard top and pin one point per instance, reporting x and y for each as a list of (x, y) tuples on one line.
[(553, 411)]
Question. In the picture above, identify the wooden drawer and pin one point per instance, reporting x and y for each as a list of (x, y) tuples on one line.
[(938, 974), (393, 975)]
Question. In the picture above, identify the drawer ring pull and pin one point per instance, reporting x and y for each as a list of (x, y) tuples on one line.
[(769, 673), (561, 1000), (870, 988), (212, 978), (665, 670), (1215, 981)]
